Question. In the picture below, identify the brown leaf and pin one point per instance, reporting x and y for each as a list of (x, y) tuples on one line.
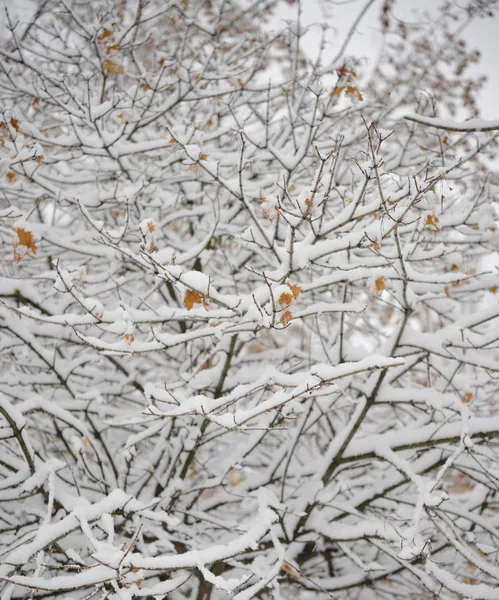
[(234, 477), (353, 92), (290, 570), (113, 48), (11, 176), (129, 338), (15, 123), (25, 245), (286, 318), (113, 68), (192, 297), (296, 290), (106, 33), (285, 299), (380, 283), (467, 397)]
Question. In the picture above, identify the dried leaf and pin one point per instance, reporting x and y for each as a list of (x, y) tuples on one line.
[(129, 338), (467, 397), (285, 299), (286, 318), (295, 289), (11, 176), (113, 68), (25, 244), (106, 33), (235, 477), (192, 297), (354, 92), (290, 570), (380, 283), (15, 123)]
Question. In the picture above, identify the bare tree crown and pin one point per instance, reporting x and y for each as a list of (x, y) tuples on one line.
[(248, 312)]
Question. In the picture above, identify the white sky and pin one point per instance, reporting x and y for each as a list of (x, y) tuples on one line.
[(482, 34)]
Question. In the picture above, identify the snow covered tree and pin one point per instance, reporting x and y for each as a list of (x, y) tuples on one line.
[(248, 311)]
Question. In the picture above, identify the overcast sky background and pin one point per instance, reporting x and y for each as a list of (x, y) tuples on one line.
[(482, 34)]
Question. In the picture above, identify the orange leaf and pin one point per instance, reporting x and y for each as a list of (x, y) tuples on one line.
[(286, 318), (14, 123), (241, 83), (25, 245), (192, 297), (11, 176), (203, 156), (144, 86)]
